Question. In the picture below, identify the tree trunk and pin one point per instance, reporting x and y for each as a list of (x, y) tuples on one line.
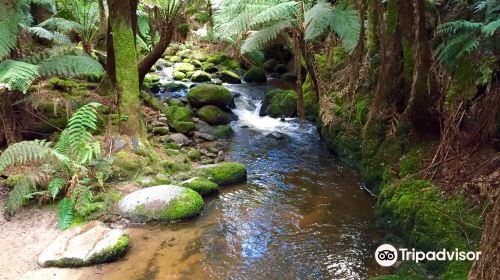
[(298, 73), (7, 122), (156, 53), (371, 32), (122, 65), (102, 17)]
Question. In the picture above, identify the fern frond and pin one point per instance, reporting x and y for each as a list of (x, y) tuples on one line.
[(277, 12), (60, 24), (461, 26), (65, 213), (257, 57), (54, 36), (317, 20), (17, 75), (10, 15), (490, 28), (451, 51), (18, 194), (81, 123), (23, 152), (55, 185), (264, 36), (345, 23), (71, 66)]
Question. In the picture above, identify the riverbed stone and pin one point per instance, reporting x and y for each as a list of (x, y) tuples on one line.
[(85, 245), (225, 173), (184, 67), (270, 64), (289, 77), (202, 186), (179, 118), (280, 68), (209, 95), (213, 115), (209, 67), (200, 76), (230, 77), (255, 74), (180, 139), (279, 103), (161, 203), (178, 75)]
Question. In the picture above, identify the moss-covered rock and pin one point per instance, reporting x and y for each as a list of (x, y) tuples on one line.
[(162, 130), (222, 131), (174, 102), (199, 56), (255, 74), (280, 68), (61, 84), (196, 63), (194, 155), (180, 118), (233, 64), (152, 82), (200, 77), (209, 95), (279, 103), (289, 77), (173, 86), (184, 67), (127, 165), (162, 203), (270, 64), (209, 67), (311, 104), (230, 77), (213, 115), (217, 58), (179, 76), (201, 185), (225, 173), (175, 59), (90, 244)]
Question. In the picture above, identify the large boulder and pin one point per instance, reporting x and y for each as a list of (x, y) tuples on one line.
[(225, 173), (209, 67), (255, 74), (213, 115), (270, 64), (209, 95), (184, 67), (279, 103), (179, 76), (200, 77), (202, 186), (180, 118), (85, 245), (161, 203), (230, 77)]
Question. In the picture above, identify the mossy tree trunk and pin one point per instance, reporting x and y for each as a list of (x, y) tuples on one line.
[(8, 132), (122, 65)]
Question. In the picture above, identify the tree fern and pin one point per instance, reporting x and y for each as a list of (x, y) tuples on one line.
[(262, 37), (65, 213), (71, 66), (277, 12), (490, 28), (55, 185), (24, 152), (53, 36), (17, 75)]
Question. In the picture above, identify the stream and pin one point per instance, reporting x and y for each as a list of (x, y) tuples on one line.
[(301, 215)]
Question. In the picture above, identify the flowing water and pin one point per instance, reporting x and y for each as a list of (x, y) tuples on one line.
[(301, 215)]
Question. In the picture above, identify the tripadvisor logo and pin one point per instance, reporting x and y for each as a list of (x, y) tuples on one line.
[(387, 255)]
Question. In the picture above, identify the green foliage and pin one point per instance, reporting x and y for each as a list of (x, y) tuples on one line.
[(10, 15), (55, 186), (24, 152), (260, 39), (65, 213), (71, 66), (17, 75), (341, 19)]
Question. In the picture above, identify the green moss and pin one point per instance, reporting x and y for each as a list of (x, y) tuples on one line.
[(172, 152), (233, 64), (213, 115), (407, 60), (160, 130), (189, 204), (255, 74), (178, 75), (209, 67), (209, 95), (226, 173), (279, 103), (230, 77), (180, 118), (184, 67), (194, 155), (311, 106), (200, 76), (201, 185), (196, 63), (217, 58), (175, 59), (391, 16), (184, 127), (62, 85), (12, 180), (222, 131), (172, 146), (175, 102), (127, 165), (270, 64)]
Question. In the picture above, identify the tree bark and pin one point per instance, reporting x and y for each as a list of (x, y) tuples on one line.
[(7, 121), (122, 65), (102, 18), (156, 53)]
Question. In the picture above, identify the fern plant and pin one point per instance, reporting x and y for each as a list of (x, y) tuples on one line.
[(70, 156), (463, 37)]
